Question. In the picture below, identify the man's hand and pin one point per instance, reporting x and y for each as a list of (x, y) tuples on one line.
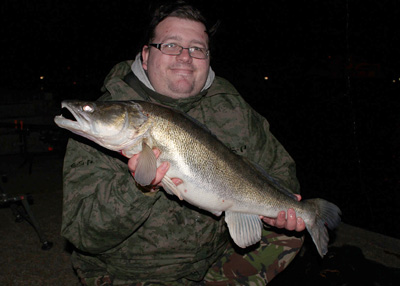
[(161, 170), (291, 223)]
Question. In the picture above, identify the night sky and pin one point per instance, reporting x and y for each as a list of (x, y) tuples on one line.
[(332, 94), (76, 42)]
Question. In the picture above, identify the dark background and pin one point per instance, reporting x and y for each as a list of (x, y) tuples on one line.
[(332, 94)]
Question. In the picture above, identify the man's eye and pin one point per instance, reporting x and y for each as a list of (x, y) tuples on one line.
[(197, 49), (170, 45)]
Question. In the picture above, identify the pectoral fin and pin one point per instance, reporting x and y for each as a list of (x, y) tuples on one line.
[(147, 166), (245, 229), (170, 187)]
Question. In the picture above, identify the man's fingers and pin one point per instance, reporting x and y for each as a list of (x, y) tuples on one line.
[(177, 181), (156, 152), (161, 171), (132, 163), (291, 219), (267, 220), (300, 225), (281, 220)]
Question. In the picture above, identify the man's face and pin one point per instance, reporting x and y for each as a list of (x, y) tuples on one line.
[(177, 76)]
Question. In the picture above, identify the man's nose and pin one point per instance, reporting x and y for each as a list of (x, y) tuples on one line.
[(184, 56)]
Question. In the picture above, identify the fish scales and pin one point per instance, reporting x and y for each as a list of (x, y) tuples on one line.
[(231, 175)]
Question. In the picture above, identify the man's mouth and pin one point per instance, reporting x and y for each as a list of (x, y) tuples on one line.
[(182, 71)]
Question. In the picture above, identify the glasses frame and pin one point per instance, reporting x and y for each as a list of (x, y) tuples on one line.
[(158, 46)]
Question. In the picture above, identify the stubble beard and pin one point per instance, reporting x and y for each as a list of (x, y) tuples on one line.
[(181, 89)]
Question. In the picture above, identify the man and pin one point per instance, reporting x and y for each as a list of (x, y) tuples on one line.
[(126, 234)]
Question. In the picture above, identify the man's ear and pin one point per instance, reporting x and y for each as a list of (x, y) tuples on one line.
[(145, 56)]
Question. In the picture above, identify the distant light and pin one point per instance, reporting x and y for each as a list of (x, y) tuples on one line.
[(74, 83), (41, 77), (266, 78), (394, 81)]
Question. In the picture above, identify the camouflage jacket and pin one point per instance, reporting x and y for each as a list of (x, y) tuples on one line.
[(119, 230)]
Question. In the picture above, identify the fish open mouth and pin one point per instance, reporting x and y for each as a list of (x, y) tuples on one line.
[(69, 119), (67, 114)]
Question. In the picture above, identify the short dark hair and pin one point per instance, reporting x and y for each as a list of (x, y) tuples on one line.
[(180, 9)]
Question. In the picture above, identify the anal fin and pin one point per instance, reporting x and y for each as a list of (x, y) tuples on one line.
[(245, 229)]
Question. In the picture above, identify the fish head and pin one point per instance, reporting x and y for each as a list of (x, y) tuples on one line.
[(113, 125)]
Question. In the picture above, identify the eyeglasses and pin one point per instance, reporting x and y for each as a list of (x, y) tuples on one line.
[(175, 50)]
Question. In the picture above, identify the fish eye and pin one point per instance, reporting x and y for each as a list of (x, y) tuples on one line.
[(87, 108)]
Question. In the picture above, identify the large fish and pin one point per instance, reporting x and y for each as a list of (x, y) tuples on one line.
[(214, 178)]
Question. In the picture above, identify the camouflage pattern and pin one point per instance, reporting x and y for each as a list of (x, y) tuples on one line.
[(97, 281), (256, 267), (124, 236)]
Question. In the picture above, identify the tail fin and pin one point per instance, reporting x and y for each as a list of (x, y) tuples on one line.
[(326, 215)]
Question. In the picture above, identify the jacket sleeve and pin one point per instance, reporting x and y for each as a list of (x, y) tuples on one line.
[(101, 205)]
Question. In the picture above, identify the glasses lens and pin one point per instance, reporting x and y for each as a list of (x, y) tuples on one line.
[(198, 53), (171, 49)]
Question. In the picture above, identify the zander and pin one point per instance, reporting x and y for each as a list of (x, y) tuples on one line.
[(214, 178)]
